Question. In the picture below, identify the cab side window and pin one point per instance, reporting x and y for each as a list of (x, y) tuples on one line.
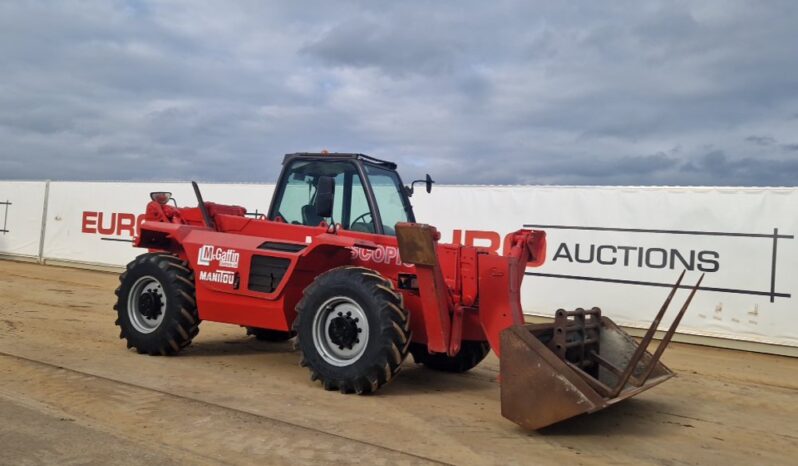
[(297, 196), (358, 217)]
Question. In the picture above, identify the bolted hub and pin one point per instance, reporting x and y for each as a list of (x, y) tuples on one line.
[(150, 304), (340, 331), (344, 330)]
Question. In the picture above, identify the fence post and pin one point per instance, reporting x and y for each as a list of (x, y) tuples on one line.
[(44, 220)]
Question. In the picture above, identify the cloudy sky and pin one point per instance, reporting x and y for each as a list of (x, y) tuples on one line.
[(499, 92)]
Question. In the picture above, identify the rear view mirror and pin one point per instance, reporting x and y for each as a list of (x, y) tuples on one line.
[(427, 182), (325, 190)]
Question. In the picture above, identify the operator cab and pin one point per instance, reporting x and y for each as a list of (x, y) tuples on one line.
[(359, 192)]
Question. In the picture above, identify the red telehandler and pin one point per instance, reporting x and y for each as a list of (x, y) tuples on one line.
[(340, 264)]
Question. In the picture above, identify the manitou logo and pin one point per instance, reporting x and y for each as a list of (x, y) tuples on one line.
[(223, 277), (226, 257)]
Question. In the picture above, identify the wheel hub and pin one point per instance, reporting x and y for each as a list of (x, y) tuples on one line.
[(150, 304), (340, 331), (344, 330), (146, 304)]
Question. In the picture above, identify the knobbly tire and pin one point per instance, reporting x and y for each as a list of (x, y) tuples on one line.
[(471, 353), (156, 307), (352, 330), (264, 334)]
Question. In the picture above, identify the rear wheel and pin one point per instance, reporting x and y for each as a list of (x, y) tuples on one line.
[(264, 334), (156, 308), (352, 330), (471, 353)]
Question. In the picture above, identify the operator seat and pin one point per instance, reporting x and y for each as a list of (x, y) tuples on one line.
[(310, 217)]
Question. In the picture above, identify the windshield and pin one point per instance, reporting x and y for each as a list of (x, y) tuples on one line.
[(387, 192)]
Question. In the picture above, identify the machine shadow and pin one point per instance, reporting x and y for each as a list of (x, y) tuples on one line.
[(634, 417), (416, 379), (236, 346)]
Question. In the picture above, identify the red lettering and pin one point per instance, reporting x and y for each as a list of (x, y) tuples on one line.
[(140, 219), (492, 237), (111, 226), (126, 222), (119, 224), (457, 237), (89, 222)]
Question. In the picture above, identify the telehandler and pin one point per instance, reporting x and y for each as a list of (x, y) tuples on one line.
[(340, 265)]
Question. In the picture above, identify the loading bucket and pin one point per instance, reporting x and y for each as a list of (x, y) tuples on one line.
[(579, 364)]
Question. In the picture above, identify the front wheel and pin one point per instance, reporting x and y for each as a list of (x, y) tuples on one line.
[(352, 330), (156, 308)]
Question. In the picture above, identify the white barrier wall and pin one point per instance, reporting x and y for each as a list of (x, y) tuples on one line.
[(615, 248), (94, 221), (21, 204), (620, 249)]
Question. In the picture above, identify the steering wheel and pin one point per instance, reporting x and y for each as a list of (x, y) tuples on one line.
[(367, 227)]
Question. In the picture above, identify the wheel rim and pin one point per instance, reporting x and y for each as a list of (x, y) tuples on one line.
[(340, 331), (146, 304)]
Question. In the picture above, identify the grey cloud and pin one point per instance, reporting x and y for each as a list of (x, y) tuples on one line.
[(627, 92), (761, 140), (394, 48), (717, 168)]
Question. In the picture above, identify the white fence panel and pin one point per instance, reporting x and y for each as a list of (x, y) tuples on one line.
[(619, 249), (94, 221), (21, 204)]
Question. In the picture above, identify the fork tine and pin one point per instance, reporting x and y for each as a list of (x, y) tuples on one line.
[(643, 346), (668, 336)]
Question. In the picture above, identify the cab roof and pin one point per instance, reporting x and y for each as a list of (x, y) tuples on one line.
[(338, 156)]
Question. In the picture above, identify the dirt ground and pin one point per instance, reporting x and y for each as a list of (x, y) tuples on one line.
[(70, 393)]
